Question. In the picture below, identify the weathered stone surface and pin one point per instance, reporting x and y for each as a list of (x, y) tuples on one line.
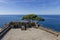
[(29, 34)]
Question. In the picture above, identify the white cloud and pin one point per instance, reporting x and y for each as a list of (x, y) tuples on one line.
[(3, 1)]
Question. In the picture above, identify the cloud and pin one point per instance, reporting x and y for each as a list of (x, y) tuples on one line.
[(3, 1), (23, 0), (34, 3)]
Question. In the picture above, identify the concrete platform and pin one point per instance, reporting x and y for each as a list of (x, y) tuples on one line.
[(29, 34)]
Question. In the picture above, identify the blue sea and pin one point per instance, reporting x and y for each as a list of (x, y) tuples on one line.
[(51, 21)]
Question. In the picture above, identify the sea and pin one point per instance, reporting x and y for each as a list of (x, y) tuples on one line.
[(51, 21)]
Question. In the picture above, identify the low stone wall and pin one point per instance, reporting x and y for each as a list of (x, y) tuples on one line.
[(50, 31), (3, 31), (8, 27)]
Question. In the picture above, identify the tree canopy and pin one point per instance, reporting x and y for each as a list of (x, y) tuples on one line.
[(32, 17)]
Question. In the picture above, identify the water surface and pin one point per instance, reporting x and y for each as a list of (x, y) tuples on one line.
[(51, 21)]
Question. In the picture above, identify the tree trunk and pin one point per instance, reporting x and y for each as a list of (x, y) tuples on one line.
[(36, 25)]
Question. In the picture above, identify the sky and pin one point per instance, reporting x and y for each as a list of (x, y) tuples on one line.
[(23, 7)]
